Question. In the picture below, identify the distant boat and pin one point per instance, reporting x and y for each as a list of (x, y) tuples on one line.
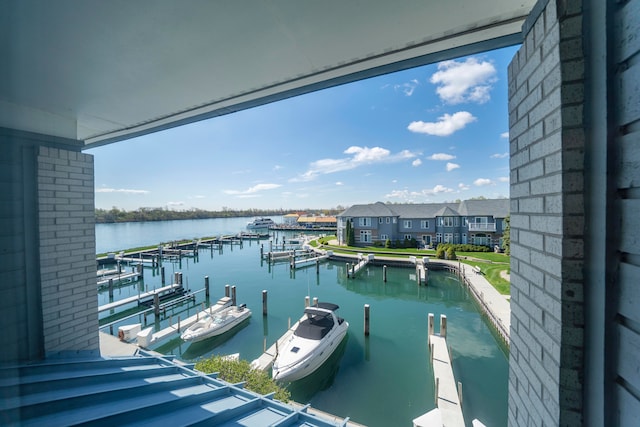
[(260, 223), (316, 336), (211, 325)]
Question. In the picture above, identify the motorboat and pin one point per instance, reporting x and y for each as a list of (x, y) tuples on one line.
[(211, 325), (315, 337), (260, 223)]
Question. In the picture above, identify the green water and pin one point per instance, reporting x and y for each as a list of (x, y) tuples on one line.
[(381, 380)]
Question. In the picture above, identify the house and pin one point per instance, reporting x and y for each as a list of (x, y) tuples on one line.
[(476, 222)]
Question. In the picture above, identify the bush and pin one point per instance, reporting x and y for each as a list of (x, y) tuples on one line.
[(440, 252), (235, 371), (387, 244), (451, 254)]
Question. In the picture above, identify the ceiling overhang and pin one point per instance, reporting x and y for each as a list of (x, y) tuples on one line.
[(101, 71)]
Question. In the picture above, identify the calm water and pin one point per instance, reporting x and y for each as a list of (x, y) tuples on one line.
[(382, 380)]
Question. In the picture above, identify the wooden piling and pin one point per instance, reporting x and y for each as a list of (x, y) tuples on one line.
[(384, 273), (227, 290), (206, 286), (140, 270), (162, 274), (110, 288), (315, 301), (437, 390), (347, 265), (156, 304), (430, 325), (366, 320), (317, 266), (306, 301), (233, 295), (264, 302), (460, 392), (443, 325)]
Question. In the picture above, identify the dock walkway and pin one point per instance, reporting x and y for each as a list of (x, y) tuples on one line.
[(265, 361)]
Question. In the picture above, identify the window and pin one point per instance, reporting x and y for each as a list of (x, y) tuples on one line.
[(456, 238), (365, 236), (465, 221), (464, 238), (384, 237), (424, 224), (380, 220), (440, 221), (426, 239), (447, 221), (388, 220), (448, 237), (395, 219), (407, 237), (365, 222), (456, 221), (407, 223), (439, 237)]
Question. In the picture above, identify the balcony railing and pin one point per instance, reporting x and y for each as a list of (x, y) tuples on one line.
[(482, 226)]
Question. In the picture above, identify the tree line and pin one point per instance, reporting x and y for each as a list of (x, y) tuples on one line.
[(159, 214)]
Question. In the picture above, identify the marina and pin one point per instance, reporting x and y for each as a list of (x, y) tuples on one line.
[(394, 353)]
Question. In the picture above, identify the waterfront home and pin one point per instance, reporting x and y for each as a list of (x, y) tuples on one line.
[(476, 222)]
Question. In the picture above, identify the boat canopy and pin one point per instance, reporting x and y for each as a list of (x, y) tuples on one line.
[(315, 327), (328, 306)]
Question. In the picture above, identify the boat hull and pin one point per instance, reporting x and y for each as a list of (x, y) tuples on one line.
[(207, 329)]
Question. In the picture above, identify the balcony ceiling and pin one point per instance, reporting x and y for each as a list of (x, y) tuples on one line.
[(103, 71)]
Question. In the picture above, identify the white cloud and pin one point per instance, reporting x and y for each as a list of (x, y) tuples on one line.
[(463, 186), (503, 179), (416, 162), (452, 166), (121, 190), (468, 81), (407, 88), (252, 190), (360, 156), (481, 182), (175, 204), (504, 135), (277, 167), (500, 156), (438, 189), (445, 126), (339, 183), (412, 195), (441, 156)]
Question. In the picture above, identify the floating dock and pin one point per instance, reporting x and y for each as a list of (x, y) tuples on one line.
[(447, 391), (141, 297), (363, 261), (265, 361), (301, 263)]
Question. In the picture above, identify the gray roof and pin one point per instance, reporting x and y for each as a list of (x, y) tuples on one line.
[(135, 390), (498, 208)]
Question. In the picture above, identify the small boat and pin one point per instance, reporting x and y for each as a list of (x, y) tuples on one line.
[(315, 337), (211, 325), (260, 223)]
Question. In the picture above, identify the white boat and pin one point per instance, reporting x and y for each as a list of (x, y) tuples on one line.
[(315, 337), (260, 223), (211, 325)]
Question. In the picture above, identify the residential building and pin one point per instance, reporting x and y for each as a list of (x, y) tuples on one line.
[(476, 222)]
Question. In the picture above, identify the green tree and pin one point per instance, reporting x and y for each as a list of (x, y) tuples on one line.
[(506, 236), (351, 238)]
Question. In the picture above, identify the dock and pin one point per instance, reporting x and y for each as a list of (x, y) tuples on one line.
[(116, 278), (301, 263), (362, 262), (447, 391), (422, 272), (140, 298)]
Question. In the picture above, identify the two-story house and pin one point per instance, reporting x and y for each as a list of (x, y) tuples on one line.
[(478, 222)]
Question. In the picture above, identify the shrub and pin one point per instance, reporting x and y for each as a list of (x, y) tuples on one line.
[(440, 252), (235, 371), (451, 254), (387, 244)]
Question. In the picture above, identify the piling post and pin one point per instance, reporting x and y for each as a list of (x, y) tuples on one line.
[(261, 250), (384, 273), (306, 301), (366, 320), (233, 295), (348, 270), (140, 270), (430, 325), (264, 302), (431, 353), (418, 274), (110, 288), (315, 301), (443, 325), (175, 277), (156, 304), (317, 266), (437, 390), (178, 324), (460, 393), (227, 291), (162, 274), (180, 278), (206, 286)]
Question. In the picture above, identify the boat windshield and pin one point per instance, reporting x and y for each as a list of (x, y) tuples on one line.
[(315, 326)]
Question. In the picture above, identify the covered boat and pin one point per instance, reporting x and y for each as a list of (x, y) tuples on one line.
[(211, 325), (315, 337)]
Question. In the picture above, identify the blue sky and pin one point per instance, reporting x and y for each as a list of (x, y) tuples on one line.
[(430, 134)]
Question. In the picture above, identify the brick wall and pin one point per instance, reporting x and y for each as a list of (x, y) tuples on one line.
[(65, 196), (547, 218)]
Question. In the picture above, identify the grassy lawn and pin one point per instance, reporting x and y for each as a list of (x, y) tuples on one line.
[(491, 263)]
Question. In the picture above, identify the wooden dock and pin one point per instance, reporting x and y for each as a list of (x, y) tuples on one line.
[(301, 263), (362, 262), (446, 388), (118, 277), (139, 298)]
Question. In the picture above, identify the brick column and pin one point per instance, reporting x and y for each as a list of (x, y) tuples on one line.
[(546, 91), (65, 198)]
